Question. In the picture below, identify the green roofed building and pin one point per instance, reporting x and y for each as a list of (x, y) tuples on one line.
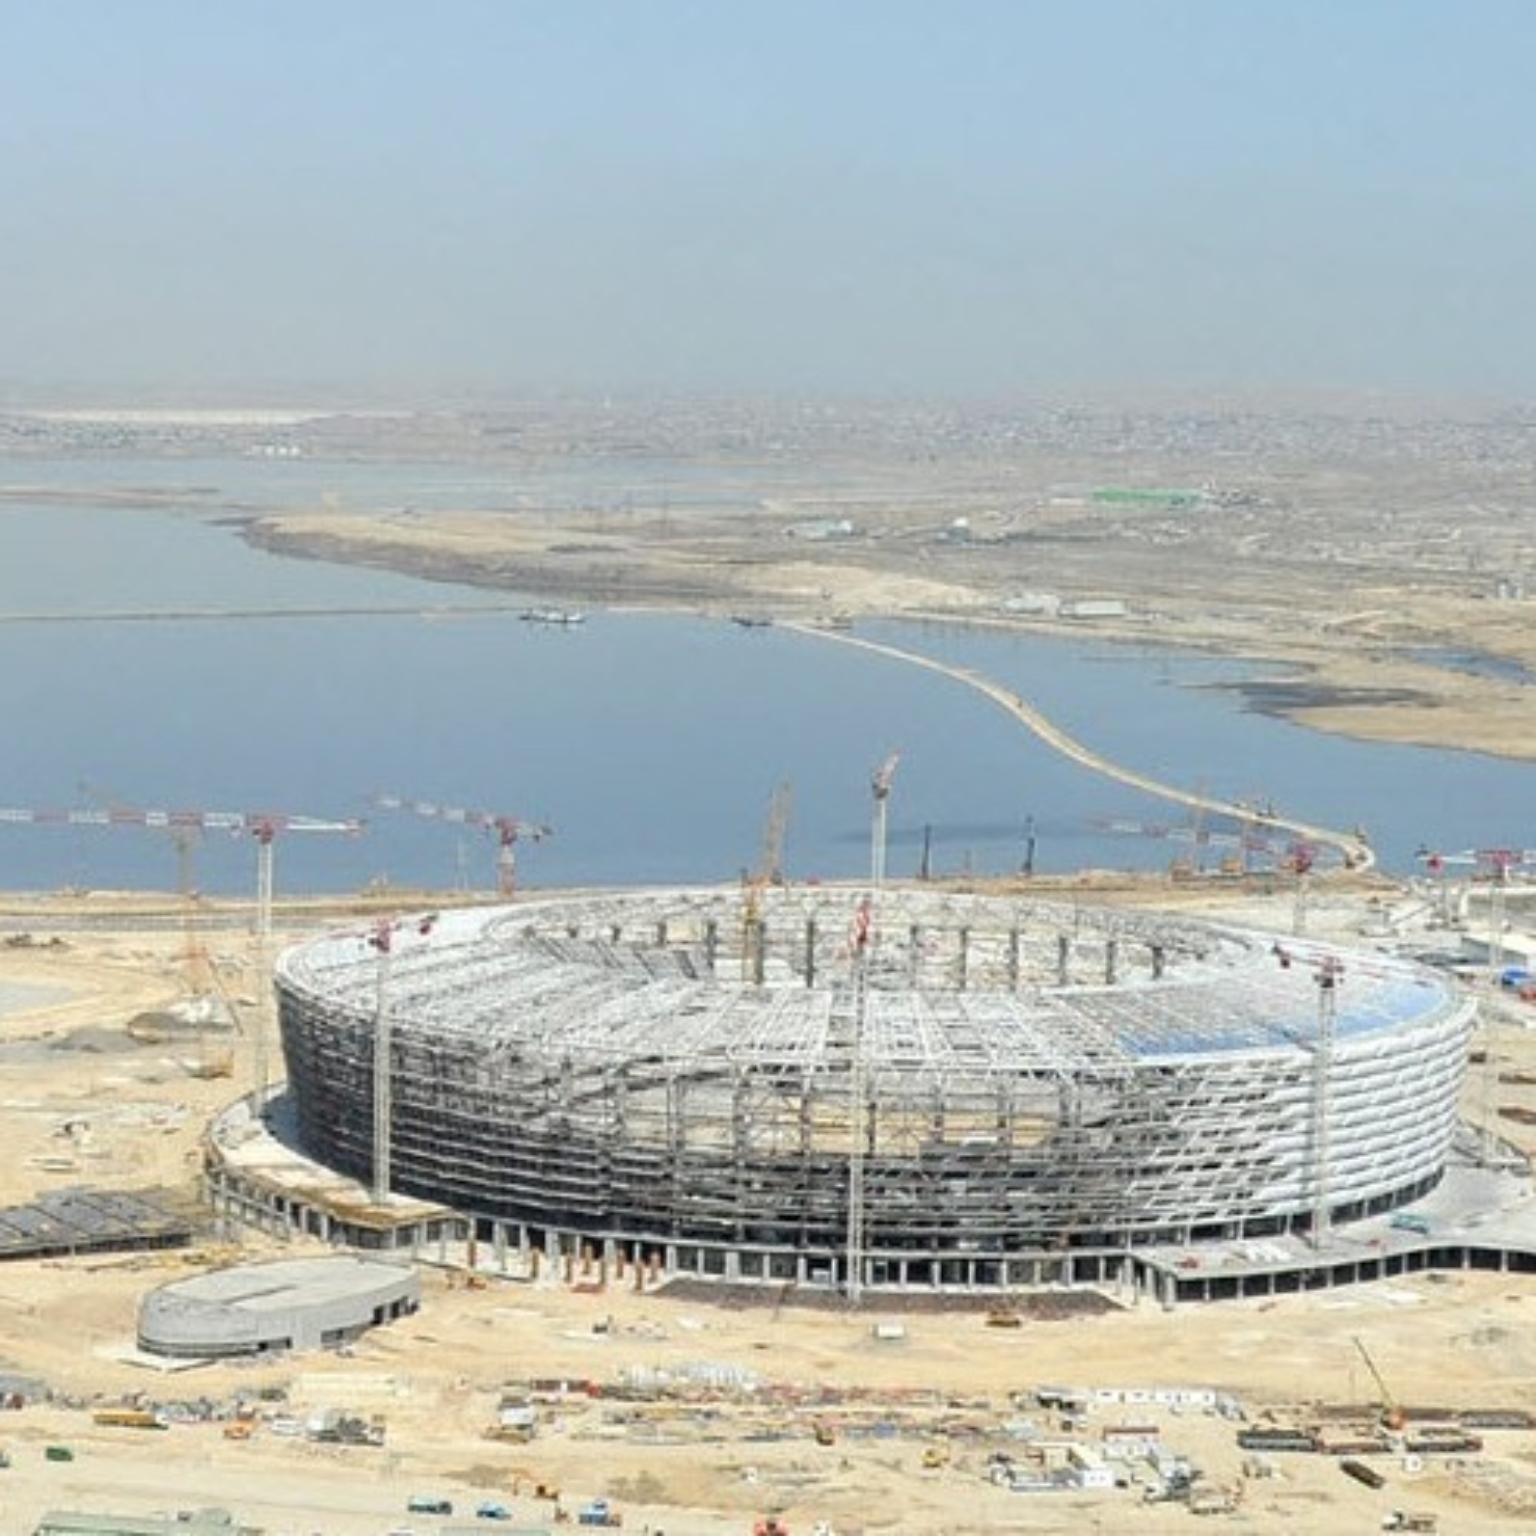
[(1119, 495)]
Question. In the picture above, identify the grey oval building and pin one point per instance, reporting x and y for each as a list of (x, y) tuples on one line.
[(766, 1090), (290, 1304)]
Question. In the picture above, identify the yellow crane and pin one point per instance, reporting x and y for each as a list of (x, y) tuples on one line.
[(769, 871), (1392, 1415)]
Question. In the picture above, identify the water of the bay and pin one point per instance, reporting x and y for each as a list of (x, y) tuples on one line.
[(652, 744)]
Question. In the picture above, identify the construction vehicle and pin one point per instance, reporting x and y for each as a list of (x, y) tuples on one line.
[(935, 1456), (1392, 1415), (130, 1418), (1213, 1500)]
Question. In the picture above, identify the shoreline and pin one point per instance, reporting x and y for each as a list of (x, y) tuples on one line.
[(1334, 681)]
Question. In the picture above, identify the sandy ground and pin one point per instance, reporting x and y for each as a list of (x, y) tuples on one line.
[(84, 1103)]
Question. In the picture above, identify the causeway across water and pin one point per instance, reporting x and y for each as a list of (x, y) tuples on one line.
[(1354, 852)]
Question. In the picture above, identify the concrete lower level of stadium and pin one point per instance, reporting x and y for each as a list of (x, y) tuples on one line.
[(1480, 1216)]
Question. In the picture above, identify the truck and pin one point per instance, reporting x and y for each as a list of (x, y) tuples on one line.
[(599, 1512), (428, 1504), (130, 1418), (1407, 1221), (1213, 1501)]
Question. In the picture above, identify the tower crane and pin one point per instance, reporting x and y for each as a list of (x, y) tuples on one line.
[(508, 831), (880, 788), (1295, 857), (1240, 845), (184, 827), (1299, 860), (769, 871), (1499, 863)]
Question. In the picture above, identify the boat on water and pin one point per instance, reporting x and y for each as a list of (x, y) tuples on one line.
[(552, 616)]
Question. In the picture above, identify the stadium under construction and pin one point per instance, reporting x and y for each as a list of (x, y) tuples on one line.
[(916, 1091)]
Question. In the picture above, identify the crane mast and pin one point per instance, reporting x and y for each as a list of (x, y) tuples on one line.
[(769, 871), (880, 788), (858, 1123)]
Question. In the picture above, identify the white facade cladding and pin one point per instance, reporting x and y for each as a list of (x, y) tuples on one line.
[(292, 1304), (747, 1080)]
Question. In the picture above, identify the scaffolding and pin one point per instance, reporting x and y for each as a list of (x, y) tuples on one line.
[(994, 1079)]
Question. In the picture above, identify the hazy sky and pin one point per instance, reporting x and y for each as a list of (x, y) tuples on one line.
[(801, 195)]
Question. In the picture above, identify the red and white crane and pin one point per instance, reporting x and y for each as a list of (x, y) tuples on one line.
[(1497, 861), (508, 831), (1496, 865), (264, 826), (184, 827)]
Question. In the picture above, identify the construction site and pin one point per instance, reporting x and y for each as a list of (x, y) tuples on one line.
[(943, 1205), (872, 1207), (917, 1091)]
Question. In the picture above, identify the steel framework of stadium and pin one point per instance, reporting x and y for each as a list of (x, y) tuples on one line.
[(981, 1088)]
